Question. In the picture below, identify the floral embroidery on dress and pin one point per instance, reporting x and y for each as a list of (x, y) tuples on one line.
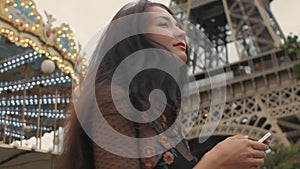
[(149, 164), (168, 158), (163, 139), (148, 151)]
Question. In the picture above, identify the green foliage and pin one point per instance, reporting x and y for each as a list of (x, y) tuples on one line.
[(283, 158), (296, 71), (292, 47)]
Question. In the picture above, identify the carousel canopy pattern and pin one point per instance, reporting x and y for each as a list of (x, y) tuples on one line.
[(23, 26), (34, 101)]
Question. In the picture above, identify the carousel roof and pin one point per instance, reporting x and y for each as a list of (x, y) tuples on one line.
[(22, 25), (33, 101)]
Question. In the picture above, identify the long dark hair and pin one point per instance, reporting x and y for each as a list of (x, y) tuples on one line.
[(147, 80), (78, 147)]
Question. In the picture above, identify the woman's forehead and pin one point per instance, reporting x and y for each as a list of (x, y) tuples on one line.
[(160, 11)]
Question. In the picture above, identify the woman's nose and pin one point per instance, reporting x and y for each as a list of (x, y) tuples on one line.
[(180, 34)]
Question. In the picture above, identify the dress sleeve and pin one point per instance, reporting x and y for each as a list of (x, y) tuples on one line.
[(104, 159), (107, 160)]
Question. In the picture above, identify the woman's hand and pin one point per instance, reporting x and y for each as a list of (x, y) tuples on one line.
[(235, 152)]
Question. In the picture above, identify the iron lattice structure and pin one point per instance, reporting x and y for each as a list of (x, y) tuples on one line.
[(249, 25), (262, 94)]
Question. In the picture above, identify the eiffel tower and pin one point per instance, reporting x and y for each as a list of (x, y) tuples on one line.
[(261, 93)]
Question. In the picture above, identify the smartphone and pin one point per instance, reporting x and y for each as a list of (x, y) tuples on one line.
[(265, 137)]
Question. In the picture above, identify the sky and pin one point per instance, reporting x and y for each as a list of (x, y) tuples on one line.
[(86, 17)]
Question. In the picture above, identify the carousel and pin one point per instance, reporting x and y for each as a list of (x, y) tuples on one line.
[(39, 66)]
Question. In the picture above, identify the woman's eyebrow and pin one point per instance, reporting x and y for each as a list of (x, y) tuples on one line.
[(167, 18)]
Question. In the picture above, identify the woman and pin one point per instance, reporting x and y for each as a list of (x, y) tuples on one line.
[(148, 33)]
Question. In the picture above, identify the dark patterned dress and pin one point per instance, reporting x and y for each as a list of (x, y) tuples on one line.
[(176, 157)]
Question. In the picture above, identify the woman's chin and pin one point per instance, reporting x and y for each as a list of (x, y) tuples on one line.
[(182, 57)]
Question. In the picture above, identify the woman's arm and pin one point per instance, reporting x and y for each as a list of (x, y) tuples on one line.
[(234, 152)]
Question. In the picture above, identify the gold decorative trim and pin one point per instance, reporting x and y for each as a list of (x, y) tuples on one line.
[(23, 25), (24, 41)]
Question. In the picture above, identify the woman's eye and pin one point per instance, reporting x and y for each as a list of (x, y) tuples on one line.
[(163, 24)]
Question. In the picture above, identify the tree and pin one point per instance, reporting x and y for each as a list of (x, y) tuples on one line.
[(282, 157), (292, 47)]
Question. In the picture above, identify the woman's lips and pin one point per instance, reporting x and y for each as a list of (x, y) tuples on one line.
[(180, 45)]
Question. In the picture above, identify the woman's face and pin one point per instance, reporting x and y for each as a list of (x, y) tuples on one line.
[(166, 32)]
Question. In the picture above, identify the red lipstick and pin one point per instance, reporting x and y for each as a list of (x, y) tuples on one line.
[(180, 45)]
